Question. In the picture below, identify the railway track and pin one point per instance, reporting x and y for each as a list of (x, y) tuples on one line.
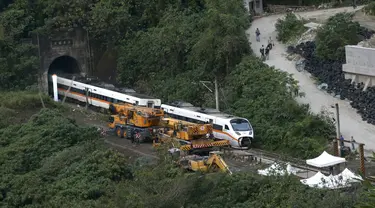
[(241, 159), (258, 156)]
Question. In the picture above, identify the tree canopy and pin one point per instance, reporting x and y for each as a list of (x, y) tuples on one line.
[(164, 49), (50, 161), (331, 46)]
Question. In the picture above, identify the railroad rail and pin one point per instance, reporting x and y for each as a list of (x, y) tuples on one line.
[(254, 155)]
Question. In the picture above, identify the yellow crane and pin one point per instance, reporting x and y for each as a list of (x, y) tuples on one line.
[(138, 122), (213, 163), (191, 136)]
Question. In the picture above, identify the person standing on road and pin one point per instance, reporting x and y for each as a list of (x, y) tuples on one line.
[(341, 141), (270, 43), (352, 141), (262, 52), (267, 53), (257, 33)]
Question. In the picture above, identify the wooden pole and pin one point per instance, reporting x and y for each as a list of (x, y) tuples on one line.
[(338, 126), (87, 97), (335, 148), (66, 92), (362, 159), (216, 94)]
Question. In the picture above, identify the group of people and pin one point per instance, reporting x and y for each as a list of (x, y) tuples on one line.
[(265, 52)]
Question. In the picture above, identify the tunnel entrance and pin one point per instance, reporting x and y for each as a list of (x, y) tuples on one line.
[(64, 66)]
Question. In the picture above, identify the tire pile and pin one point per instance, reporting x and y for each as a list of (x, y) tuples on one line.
[(330, 72)]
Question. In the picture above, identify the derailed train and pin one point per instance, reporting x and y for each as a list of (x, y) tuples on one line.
[(238, 131)]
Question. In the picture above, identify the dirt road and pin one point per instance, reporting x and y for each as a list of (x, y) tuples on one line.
[(351, 122)]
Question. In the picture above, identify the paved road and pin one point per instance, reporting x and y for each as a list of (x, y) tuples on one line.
[(351, 122)]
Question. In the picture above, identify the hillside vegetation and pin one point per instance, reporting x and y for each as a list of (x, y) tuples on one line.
[(52, 162), (165, 48)]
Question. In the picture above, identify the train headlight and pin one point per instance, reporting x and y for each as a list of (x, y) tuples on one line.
[(238, 133)]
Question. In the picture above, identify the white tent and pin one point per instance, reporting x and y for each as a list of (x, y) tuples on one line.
[(344, 179), (325, 160), (348, 176), (319, 180), (276, 169)]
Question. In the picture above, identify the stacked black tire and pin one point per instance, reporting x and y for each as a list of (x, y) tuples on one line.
[(330, 72)]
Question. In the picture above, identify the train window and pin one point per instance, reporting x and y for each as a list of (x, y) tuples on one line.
[(211, 121), (226, 127), (218, 127)]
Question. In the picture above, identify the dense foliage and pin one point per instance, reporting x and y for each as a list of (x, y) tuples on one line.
[(289, 27), (370, 9), (187, 45), (283, 125), (331, 46), (335, 3), (52, 162), (164, 49)]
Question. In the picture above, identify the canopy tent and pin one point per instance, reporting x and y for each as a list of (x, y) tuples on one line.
[(344, 179), (325, 160), (348, 176), (276, 169), (319, 180)]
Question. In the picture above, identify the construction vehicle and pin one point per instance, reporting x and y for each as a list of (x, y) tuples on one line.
[(135, 122), (192, 137), (213, 163)]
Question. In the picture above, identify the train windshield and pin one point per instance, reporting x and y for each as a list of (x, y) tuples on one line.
[(240, 124)]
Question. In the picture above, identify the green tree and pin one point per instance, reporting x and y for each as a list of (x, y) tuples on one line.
[(330, 45), (289, 28), (280, 123)]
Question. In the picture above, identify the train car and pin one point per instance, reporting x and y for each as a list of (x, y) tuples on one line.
[(99, 96), (237, 130)]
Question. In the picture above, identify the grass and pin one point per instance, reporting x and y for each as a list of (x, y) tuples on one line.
[(24, 100), (18, 106)]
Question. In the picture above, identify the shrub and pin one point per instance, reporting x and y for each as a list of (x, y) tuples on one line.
[(52, 162), (289, 28), (260, 93), (339, 31), (370, 9), (24, 100)]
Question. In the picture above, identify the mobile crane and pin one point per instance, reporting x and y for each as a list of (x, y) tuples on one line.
[(129, 121), (192, 137)]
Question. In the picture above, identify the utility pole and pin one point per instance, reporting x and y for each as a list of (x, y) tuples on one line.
[(338, 132), (216, 94), (216, 90), (66, 92), (87, 97)]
